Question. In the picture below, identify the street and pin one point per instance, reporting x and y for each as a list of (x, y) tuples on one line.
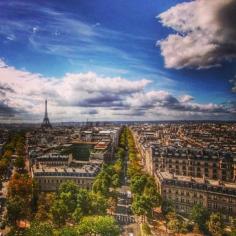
[(123, 212)]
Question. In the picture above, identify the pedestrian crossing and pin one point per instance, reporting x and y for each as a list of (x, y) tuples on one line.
[(125, 219)]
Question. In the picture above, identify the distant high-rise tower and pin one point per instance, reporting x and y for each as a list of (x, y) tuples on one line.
[(46, 123)]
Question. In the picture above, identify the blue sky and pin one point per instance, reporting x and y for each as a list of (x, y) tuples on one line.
[(173, 65)]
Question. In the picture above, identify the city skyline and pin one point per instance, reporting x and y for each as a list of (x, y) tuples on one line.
[(142, 60)]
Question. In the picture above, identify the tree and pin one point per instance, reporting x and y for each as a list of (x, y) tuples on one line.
[(8, 154), (174, 225), (120, 153), (20, 163), (84, 201), (117, 167), (199, 215), (166, 207), (69, 186), (150, 191), (68, 200), (215, 224), (67, 197), (98, 203), (35, 195), (16, 209), (77, 215), (142, 205), (73, 203), (68, 231), (146, 229), (134, 169), (89, 203), (20, 197), (177, 225), (44, 203), (115, 181), (138, 183), (20, 185), (59, 212), (101, 225), (232, 222), (39, 229), (102, 183), (112, 203), (3, 168)]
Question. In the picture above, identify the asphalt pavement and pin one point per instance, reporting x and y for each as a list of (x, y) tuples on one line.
[(123, 214)]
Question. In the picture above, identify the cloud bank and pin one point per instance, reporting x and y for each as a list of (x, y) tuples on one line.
[(88, 95), (205, 34)]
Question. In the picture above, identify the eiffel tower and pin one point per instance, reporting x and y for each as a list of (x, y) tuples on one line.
[(46, 123)]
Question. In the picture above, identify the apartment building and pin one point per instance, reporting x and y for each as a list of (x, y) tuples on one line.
[(192, 163), (49, 178)]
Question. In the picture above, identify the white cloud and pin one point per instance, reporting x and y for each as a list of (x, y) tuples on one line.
[(186, 98), (27, 91), (77, 96), (206, 34)]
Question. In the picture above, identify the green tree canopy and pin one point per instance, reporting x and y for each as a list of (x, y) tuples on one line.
[(59, 212), (199, 215), (138, 183), (16, 209), (142, 205), (19, 162), (3, 167), (39, 229), (215, 224), (101, 225)]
